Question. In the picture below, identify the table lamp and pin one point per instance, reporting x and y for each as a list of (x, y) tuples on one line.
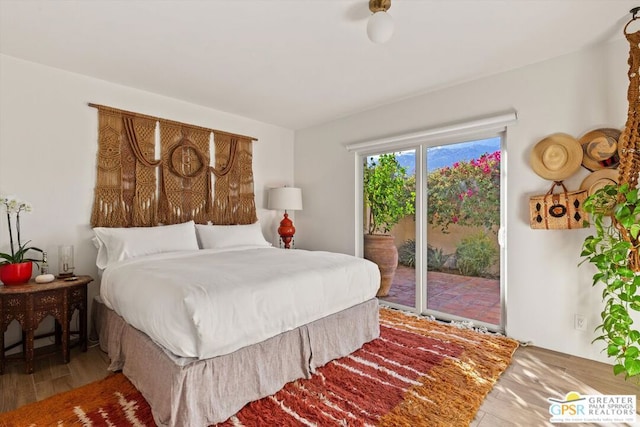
[(65, 261), (287, 199)]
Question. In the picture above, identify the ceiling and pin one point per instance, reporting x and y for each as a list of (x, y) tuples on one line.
[(298, 63)]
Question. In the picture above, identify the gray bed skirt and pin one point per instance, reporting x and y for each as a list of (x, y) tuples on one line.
[(192, 392)]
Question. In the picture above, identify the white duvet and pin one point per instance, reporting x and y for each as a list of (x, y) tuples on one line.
[(208, 303)]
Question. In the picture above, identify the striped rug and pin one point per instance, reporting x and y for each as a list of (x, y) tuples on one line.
[(418, 373)]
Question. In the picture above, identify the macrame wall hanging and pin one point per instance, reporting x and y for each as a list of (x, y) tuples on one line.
[(185, 189), (234, 186), (133, 189), (629, 143)]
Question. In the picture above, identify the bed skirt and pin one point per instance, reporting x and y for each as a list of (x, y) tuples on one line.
[(192, 392)]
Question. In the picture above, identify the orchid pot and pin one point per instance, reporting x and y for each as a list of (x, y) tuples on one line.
[(16, 274), (16, 266)]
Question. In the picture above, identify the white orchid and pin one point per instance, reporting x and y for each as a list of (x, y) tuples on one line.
[(13, 206)]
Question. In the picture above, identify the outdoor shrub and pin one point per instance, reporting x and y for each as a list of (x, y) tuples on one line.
[(476, 254), (466, 193), (407, 253), (436, 258)]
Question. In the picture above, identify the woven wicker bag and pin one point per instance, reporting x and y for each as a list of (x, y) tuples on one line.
[(558, 211)]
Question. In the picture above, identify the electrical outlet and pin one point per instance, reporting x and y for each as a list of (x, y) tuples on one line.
[(580, 322)]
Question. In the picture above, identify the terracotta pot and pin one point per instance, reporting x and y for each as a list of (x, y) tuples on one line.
[(16, 274), (382, 250)]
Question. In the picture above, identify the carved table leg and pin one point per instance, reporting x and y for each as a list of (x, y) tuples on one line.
[(28, 350), (83, 322), (58, 330), (3, 330), (64, 322)]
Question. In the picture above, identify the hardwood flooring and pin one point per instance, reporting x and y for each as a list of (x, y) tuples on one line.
[(519, 398), (50, 376)]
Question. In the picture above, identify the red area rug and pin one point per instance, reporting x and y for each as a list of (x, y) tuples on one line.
[(418, 373)]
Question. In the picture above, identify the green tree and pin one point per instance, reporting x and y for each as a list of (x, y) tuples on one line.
[(387, 193), (467, 193)]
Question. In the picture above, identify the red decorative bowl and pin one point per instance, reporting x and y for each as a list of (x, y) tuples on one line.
[(16, 274)]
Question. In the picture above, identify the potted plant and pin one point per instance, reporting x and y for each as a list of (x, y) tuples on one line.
[(388, 199), (15, 267), (614, 251)]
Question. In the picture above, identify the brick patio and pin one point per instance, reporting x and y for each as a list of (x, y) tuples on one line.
[(475, 298)]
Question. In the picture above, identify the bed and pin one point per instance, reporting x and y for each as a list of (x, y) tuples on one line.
[(204, 319)]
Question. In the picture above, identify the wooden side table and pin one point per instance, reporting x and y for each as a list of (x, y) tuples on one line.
[(30, 303)]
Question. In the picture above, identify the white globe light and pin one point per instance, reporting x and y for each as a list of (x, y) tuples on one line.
[(380, 27)]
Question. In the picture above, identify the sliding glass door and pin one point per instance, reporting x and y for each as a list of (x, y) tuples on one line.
[(462, 224), (449, 260), (389, 183)]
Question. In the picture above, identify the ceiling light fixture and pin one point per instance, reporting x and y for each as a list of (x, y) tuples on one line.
[(380, 25)]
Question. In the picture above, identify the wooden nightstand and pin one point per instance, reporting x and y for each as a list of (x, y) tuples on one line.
[(30, 303)]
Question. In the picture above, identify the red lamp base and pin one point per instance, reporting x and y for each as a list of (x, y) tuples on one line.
[(286, 231)]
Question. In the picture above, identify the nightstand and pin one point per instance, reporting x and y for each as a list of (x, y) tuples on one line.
[(30, 303)]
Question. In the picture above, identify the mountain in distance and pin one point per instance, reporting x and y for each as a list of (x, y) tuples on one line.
[(408, 161), (446, 155)]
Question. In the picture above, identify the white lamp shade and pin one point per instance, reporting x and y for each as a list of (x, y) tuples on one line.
[(285, 199), (380, 27)]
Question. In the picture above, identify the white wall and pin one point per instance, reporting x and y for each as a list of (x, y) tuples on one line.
[(48, 147), (48, 141), (572, 94)]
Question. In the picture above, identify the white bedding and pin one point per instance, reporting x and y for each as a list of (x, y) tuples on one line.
[(208, 303)]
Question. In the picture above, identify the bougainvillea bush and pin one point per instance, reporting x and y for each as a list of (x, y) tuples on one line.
[(466, 193)]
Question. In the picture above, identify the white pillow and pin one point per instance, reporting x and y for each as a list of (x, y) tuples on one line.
[(269, 222), (117, 244), (228, 236)]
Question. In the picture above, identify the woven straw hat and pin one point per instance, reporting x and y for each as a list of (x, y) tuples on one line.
[(556, 157), (598, 179), (600, 148)]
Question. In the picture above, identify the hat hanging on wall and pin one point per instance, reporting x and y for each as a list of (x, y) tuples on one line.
[(598, 179), (556, 157), (600, 148)]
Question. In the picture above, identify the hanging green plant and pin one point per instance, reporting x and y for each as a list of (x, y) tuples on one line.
[(615, 212)]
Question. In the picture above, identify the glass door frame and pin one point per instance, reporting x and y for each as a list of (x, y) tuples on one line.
[(420, 145), (501, 234)]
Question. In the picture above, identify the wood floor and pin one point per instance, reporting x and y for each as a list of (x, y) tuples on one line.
[(518, 399)]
